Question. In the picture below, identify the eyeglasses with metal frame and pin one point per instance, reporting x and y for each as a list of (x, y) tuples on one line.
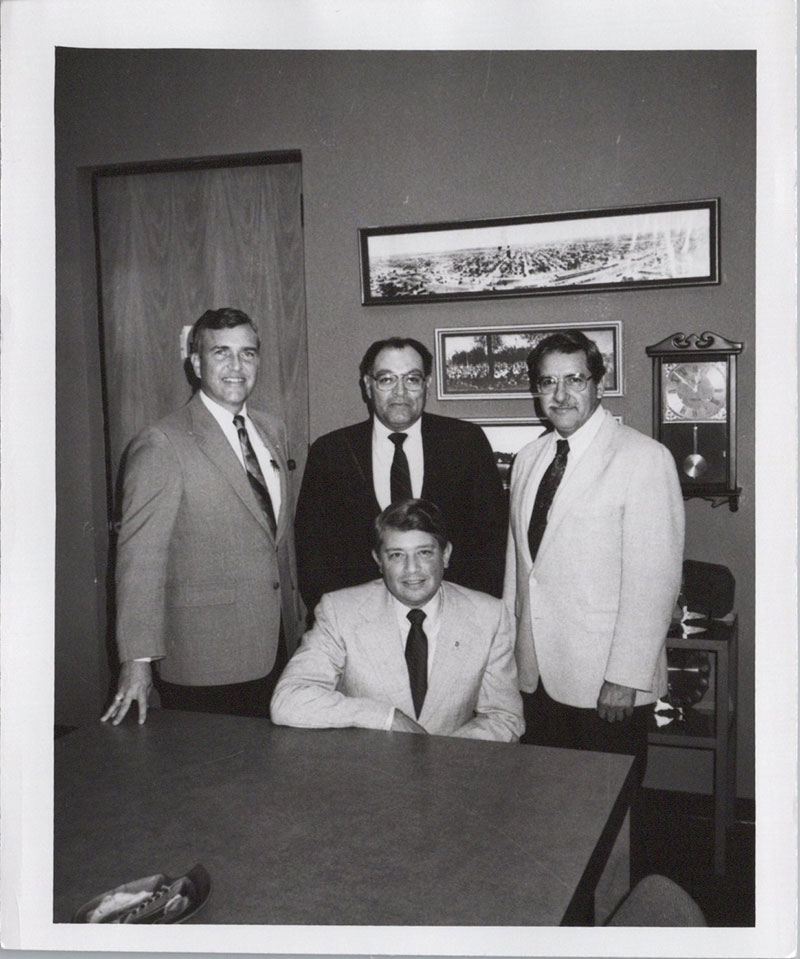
[(573, 383), (413, 382)]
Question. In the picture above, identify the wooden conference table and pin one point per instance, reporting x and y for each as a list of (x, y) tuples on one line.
[(350, 826)]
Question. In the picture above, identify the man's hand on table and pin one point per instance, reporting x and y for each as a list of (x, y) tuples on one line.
[(405, 724), (135, 683), (615, 702)]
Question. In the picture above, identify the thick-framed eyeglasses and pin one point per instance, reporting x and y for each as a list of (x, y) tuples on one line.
[(573, 382), (413, 382)]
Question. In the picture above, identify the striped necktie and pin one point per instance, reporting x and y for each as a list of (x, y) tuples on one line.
[(254, 474)]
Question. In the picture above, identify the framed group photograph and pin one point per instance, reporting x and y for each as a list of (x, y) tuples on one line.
[(666, 244), (489, 362)]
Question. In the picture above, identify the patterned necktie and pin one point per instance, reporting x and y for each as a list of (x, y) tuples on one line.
[(254, 473), (417, 658), (544, 496), (400, 476)]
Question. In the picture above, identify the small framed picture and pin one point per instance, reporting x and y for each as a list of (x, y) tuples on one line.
[(507, 437)]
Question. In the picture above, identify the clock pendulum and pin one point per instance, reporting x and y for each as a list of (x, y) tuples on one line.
[(695, 464)]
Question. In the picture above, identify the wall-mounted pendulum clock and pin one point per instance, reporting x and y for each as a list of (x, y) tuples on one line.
[(694, 411)]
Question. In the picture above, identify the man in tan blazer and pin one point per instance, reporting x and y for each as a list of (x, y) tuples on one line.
[(409, 652), (206, 575), (604, 516)]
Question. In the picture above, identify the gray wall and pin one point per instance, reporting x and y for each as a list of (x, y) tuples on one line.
[(406, 137)]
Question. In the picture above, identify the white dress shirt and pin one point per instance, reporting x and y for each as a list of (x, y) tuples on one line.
[(383, 454), (269, 467), (431, 624)]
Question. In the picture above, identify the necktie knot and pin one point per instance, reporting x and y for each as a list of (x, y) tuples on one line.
[(398, 439), (415, 617), (238, 422), (562, 447)]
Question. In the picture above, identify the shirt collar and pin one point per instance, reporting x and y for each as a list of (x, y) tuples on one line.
[(582, 437), (432, 610), (380, 431), (221, 415)]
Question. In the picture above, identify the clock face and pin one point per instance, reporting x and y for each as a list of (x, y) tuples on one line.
[(694, 391)]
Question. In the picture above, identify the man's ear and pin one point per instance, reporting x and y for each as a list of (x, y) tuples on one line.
[(600, 388), (377, 560), (195, 360), (367, 383), (446, 554)]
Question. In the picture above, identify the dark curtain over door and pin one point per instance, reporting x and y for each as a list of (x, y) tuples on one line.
[(174, 243)]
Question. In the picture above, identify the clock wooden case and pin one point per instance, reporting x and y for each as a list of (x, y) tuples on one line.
[(694, 411)]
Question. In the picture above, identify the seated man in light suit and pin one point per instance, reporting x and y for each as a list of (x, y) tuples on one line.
[(457, 676)]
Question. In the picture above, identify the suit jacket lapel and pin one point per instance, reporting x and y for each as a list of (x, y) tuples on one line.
[(577, 485), (212, 441), (272, 444), (378, 636), (430, 457), (457, 635), (359, 449), (523, 506)]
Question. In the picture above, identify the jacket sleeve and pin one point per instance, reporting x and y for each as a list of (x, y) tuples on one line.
[(307, 693), (652, 557), (498, 712), (480, 561), (510, 571), (322, 550), (152, 490)]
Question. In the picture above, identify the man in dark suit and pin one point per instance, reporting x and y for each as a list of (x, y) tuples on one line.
[(206, 572), (399, 452)]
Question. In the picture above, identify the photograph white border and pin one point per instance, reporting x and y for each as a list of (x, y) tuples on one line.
[(30, 31)]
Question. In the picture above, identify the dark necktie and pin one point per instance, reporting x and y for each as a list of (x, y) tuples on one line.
[(400, 476), (254, 473), (544, 496), (417, 658)]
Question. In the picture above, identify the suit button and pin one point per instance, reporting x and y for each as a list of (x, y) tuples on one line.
[(276, 585)]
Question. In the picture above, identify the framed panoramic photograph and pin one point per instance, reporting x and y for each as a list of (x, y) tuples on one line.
[(667, 244), (489, 362)]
